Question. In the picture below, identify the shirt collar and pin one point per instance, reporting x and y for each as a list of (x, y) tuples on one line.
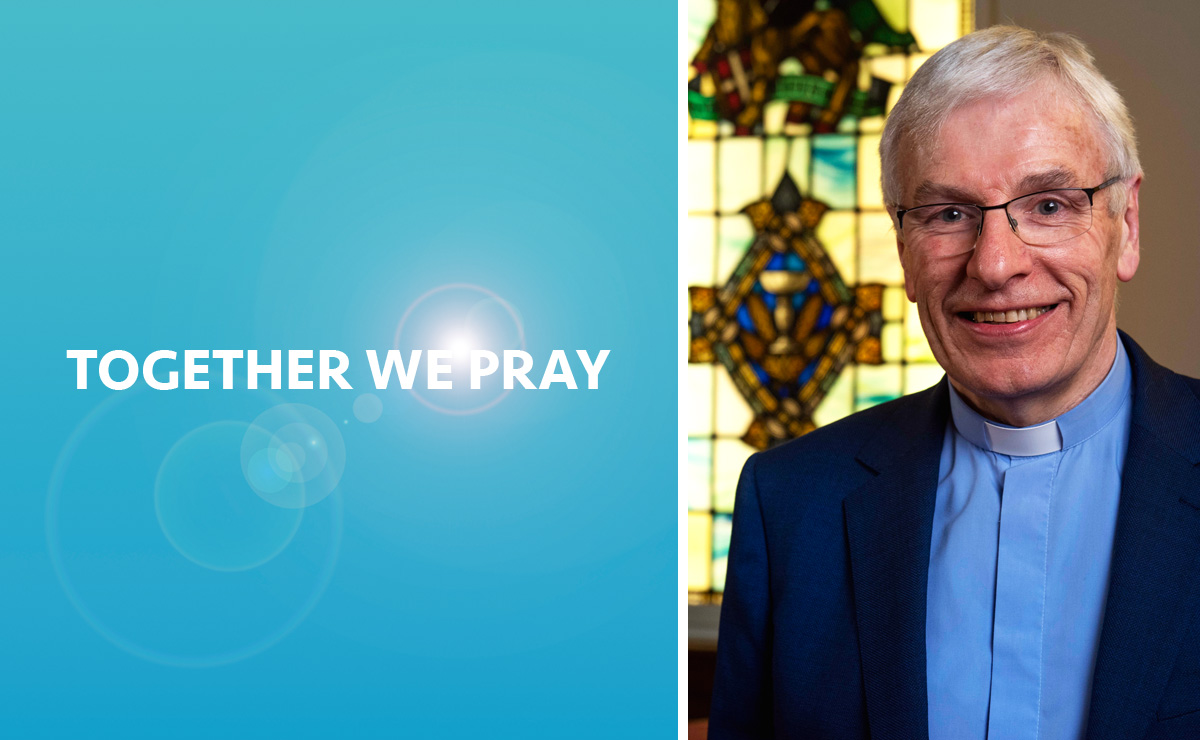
[(1068, 430)]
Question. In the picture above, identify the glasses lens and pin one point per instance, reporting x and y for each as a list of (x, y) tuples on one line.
[(1052, 217), (942, 229)]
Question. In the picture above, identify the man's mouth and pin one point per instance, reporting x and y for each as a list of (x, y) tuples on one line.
[(1010, 316)]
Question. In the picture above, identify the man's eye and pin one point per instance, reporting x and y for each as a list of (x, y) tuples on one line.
[(1047, 207), (950, 215)]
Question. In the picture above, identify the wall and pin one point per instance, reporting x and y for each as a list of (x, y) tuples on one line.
[(1151, 53)]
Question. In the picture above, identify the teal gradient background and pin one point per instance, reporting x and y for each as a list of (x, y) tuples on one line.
[(293, 176)]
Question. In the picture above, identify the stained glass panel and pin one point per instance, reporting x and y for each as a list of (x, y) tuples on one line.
[(798, 313)]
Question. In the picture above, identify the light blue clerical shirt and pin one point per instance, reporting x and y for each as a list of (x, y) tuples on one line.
[(1018, 566)]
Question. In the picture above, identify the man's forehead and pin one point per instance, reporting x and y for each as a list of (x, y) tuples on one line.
[(1057, 176), (1036, 140)]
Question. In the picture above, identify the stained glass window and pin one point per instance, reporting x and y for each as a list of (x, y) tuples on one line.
[(797, 309)]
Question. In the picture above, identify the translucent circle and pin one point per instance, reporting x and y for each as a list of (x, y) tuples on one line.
[(293, 455), (368, 408), (112, 499), (206, 508), (460, 317)]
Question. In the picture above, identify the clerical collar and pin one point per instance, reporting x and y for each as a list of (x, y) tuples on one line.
[(1066, 431)]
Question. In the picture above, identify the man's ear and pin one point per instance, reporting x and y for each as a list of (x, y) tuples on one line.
[(1127, 260)]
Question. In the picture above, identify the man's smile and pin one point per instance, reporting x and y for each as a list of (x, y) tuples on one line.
[(1006, 316)]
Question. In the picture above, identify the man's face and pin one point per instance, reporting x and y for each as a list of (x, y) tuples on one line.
[(990, 152)]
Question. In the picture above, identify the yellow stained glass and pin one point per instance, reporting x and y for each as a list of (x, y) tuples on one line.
[(774, 116), (839, 399), (729, 455), (893, 68), (836, 232), (935, 23), (895, 12), (698, 128), (878, 260), (869, 195), (700, 393), (727, 170), (798, 159), (699, 254), (916, 348), (699, 551), (893, 303), (739, 167), (733, 414), (892, 338), (701, 188), (919, 376), (775, 153), (734, 237)]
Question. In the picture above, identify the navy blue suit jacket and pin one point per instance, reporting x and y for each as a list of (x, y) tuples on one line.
[(823, 619)]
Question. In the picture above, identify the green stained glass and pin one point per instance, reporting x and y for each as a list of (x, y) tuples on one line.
[(722, 528), (834, 171), (877, 384), (699, 474)]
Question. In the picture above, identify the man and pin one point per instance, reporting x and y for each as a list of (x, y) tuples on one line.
[(1015, 552)]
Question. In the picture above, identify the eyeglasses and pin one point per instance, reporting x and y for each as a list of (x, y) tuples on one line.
[(1038, 219)]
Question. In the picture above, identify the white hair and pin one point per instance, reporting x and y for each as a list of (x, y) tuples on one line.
[(1003, 62)]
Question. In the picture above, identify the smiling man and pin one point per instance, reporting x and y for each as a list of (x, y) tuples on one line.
[(1015, 552)]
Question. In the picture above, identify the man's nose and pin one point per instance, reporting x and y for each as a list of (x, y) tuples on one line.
[(999, 254)]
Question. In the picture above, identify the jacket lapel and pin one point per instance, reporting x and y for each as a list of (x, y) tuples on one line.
[(889, 522), (1154, 590)]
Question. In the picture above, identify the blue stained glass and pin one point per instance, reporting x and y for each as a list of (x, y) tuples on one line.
[(769, 299), (776, 262), (793, 261), (835, 179), (826, 314), (808, 372), (743, 316), (762, 374), (813, 287), (797, 300)]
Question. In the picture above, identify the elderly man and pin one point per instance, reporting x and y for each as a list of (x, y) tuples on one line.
[(1015, 552)]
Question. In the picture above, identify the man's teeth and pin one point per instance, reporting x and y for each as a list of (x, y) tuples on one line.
[(1009, 317)]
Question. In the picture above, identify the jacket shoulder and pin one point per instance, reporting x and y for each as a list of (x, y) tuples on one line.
[(827, 457)]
